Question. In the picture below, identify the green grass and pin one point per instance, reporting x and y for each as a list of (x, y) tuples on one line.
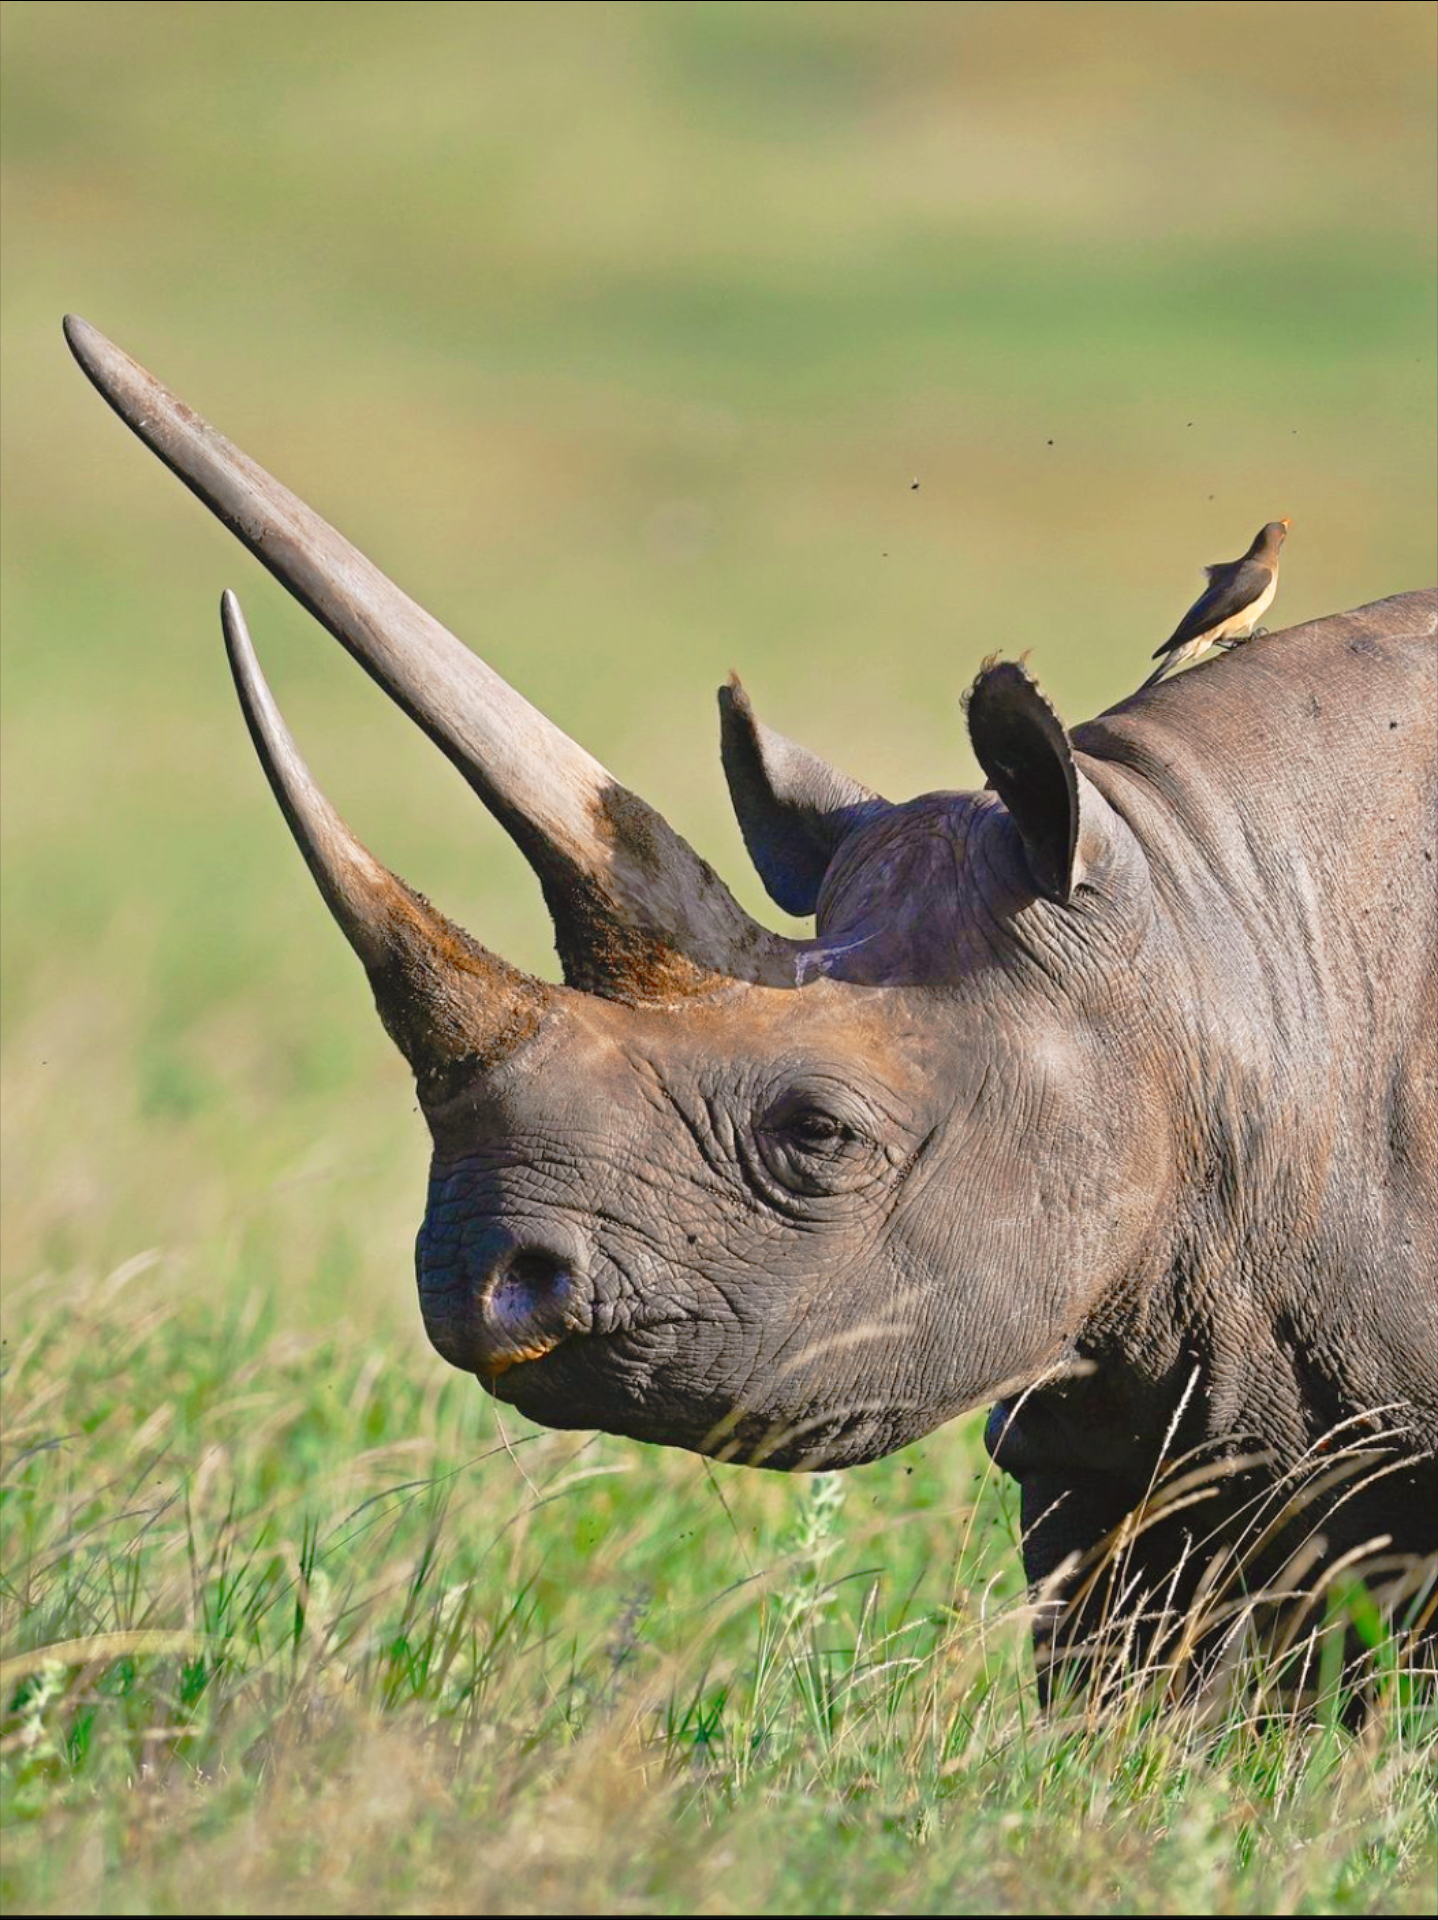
[(290, 1625), (619, 334)]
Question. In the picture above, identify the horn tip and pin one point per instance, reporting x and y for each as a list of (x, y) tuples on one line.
[(244, 664), (233, 620), (108, 368), (83, 340)]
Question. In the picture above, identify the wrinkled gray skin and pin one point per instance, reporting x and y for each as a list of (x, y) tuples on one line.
[(1120, 1078)]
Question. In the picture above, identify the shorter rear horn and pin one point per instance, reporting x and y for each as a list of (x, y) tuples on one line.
[(445, 1000)]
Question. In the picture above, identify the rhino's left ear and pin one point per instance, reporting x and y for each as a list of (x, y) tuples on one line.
[(793, 808), (1023, 748)]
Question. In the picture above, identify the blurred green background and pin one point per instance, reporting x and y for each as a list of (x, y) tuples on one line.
[(620, 335)]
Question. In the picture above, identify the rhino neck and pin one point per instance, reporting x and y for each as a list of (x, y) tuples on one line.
[(1296, 1009)]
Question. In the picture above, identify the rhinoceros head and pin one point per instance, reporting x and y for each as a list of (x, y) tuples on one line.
[(789, 1201)]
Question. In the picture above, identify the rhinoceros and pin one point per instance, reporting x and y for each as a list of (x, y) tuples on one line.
[(1107, 1095)]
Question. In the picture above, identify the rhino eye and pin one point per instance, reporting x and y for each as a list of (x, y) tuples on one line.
[(811, 1127), (806, 1148), (800, 1120)]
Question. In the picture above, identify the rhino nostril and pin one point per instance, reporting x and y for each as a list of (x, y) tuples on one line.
[(493, 1295), (527, 1289), (530, 1298)]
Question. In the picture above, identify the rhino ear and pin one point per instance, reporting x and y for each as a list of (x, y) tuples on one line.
[(1023, 748), (793, 808)]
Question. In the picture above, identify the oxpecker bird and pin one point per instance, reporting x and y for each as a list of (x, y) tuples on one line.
[(1238, 594)]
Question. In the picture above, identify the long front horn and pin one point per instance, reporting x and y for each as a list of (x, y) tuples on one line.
[(444, 999), (637, 914)]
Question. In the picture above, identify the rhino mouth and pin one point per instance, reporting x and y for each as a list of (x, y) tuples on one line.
[(503, 1363), (515, 1354), (658, 1381), (578, 1387)]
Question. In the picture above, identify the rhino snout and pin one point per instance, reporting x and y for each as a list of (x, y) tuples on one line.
[(506, 1295)]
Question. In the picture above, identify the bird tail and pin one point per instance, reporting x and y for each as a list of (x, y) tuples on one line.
[(1159, 671)]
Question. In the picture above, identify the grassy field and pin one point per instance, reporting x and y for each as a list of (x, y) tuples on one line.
[(307, 1630), (621, 336)]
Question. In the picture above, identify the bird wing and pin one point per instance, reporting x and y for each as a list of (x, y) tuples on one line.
[(1232, 587)]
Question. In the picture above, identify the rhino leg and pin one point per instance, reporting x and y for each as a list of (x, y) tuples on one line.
[(1085, 1597), (1113, 1568), (1066, 1527), (1124, 1591), (1129, 1592)]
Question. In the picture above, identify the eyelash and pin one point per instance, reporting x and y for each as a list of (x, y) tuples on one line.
[(816, 1130)]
